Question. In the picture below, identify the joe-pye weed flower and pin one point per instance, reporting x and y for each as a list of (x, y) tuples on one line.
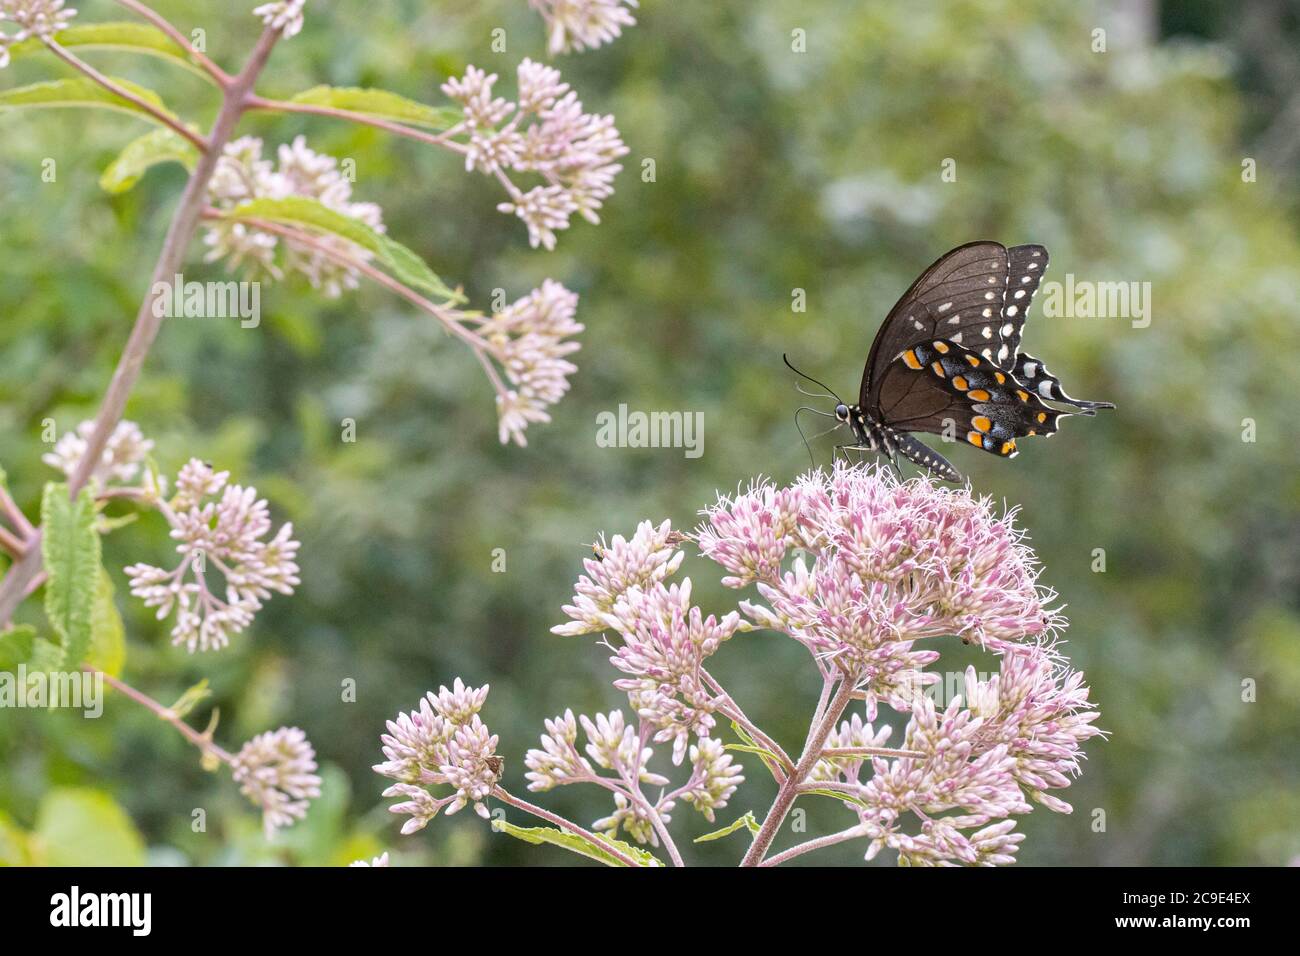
[(874, 577)]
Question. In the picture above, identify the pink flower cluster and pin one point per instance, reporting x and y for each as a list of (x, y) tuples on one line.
[(1015, 736), (223, 534), (530, 339), (858, 567), (241, 175), (877, 565), (276, 771), (545, 134), (444, 743)]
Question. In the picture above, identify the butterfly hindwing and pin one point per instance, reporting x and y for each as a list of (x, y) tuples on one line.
[(1035, 376), (944, 388)]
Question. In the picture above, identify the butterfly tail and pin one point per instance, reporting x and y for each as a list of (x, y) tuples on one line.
[(1035, 376)]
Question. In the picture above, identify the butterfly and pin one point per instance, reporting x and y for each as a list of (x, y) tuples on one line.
[(947, 360)]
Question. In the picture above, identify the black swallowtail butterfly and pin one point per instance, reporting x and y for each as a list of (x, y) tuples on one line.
[(947, 360)]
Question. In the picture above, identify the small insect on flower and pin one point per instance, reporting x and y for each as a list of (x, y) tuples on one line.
[(947, 360)]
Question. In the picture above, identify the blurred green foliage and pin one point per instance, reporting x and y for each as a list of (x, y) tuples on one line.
[(774, 171)]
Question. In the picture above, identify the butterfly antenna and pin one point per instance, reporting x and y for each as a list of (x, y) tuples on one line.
[(806, 440), (830, 390), (803, 391)]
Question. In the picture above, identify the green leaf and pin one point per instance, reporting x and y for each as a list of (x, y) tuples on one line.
[(751, 746), (16, 646), (107, 633), (310, 214), (70, 547), (81, 91), (139, 155), (748, 820), (192, 697), (82, 827), (574, 843), (836, 795), (130, 37), (381, 104), (46, 656)]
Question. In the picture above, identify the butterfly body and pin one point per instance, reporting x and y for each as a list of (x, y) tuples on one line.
[(946, 360)]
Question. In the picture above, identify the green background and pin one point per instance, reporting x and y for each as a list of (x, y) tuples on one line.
[(774, 171)]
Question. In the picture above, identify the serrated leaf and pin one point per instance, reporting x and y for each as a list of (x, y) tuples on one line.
[(139, 155), (82, 827), (381, 104), (70, 547), (16, 646), (577, 844), (748, 820), (81, 92), (310, 214), (107, 633), (129, 37)]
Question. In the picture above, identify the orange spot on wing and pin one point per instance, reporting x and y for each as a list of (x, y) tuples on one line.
[(1022, 394), (979, 395), (938, 369), (910, 359), (1007, 447), (1000, 377), (975, 438), (1042, 417), (960, 383), (973, 360), (941, 347), (981, 423)]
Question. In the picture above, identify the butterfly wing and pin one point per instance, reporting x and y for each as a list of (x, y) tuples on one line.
[(1025, 268), (1037, 379), (960, 298), (944, 388)]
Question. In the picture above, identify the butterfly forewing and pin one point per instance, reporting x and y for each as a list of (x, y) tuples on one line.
[(960, 297), (1026, 265)]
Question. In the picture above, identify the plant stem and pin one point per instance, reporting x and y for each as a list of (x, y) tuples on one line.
[(199, 740), (440, 313), (732, 709), (870, 752), (812, 750), (119, 90), (161, 22), (15, 514), (505, 796), (15, 584), (834, 838)]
